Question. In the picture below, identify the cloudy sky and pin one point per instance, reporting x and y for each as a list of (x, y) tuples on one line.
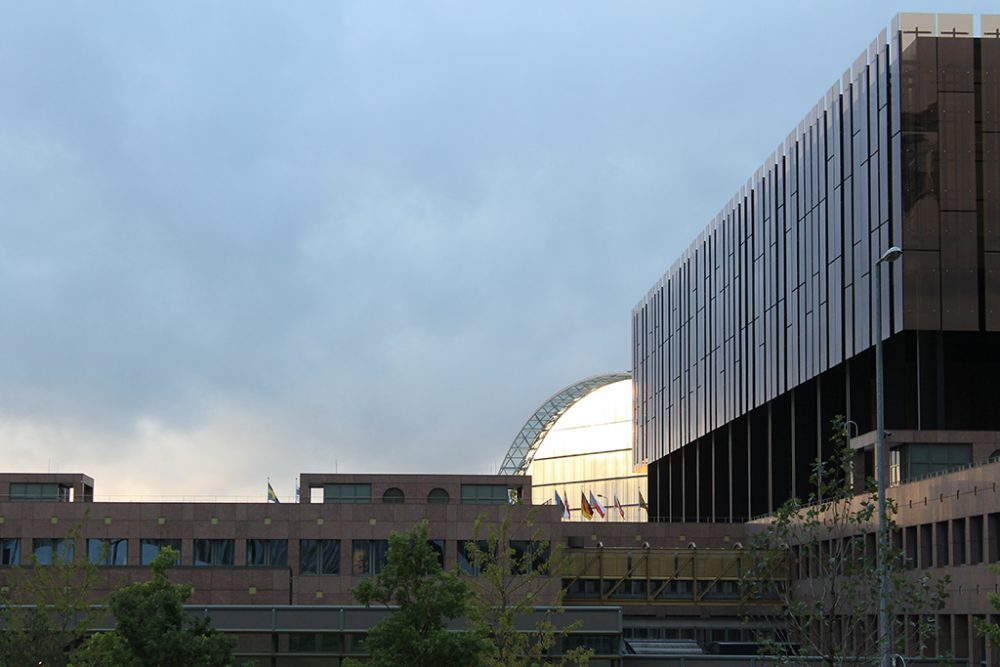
[(249, 239)]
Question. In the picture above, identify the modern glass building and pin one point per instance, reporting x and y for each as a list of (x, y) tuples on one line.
[(763, 330), (578, 443)]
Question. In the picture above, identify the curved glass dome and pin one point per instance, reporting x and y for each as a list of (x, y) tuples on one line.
[(523, 449)]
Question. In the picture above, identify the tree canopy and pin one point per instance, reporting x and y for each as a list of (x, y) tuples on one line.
[(153, 630), (428, 597)]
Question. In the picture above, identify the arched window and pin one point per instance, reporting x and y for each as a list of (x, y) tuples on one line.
[(438, 496), (995, 456), (393, 495)]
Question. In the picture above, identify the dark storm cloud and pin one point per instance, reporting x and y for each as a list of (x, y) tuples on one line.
[(273, 237)]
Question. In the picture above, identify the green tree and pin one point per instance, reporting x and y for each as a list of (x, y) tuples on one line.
[(153, 630), (818, 560), (46, 609), (515, 578), (428, 597), (991, 631)]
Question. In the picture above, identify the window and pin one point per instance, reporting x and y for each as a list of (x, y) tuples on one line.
[(465, 561), (347, 493), (485, 494), (599, 644), (213, 552), (368, 556), (319, 556), (922, 460), (393, 495), (315, 642), (10, 551), (895, 474), (267, 553), (528, 556), (150, 548), (20, 492), (107, 551), (53, 551), (438, 496), (942, 544), (438, 547)]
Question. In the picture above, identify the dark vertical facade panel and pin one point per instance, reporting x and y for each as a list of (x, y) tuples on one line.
[(991, 190), (955, 64), (991, 227), (991, 270), (959, 272), (921, 289), (957, 156), (780, 268), (895, 180)]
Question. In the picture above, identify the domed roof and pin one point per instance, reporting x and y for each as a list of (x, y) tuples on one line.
[(522, 450)]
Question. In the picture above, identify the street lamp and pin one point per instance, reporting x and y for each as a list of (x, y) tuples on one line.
[(884, 632)]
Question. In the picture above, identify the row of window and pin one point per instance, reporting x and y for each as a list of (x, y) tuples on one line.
[(25, 492), (479, 494), (316, 557), (963, 541)]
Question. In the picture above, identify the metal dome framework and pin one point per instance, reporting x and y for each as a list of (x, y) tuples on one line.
[(523, 449)]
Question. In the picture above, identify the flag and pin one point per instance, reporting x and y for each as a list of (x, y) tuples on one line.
[(585, 508), (298, 491), (642, 503), (596, 504), (562, 506), (272, 497), (618, 506), (566, 511)]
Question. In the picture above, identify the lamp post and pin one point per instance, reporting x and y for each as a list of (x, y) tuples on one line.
[(881, 461)]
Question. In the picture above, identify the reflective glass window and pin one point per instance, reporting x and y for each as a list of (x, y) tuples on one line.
[(49, 551), (267, 553), (25, 492), (368, 557), (488, 494), (213, 552), (107, 551), (438, 497), (393, 495), (319, 556), (347, 493), (467, 550), (149, 549), (10, 551)]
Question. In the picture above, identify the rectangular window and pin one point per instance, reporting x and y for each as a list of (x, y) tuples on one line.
[(56, 551), (943, 544), (923, 460), (150, 549), (975, 540), (438, 547), (315, 642), (319, 556), (209, 553), (107, 551), (993, 544), (267, 553), (485, 494), (10, 551), (22, 492), (368, 557), (351, 494), (528, 556), (958, 553), (466, 561)]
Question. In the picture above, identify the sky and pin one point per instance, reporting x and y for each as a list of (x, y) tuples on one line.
[(242, 240)]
